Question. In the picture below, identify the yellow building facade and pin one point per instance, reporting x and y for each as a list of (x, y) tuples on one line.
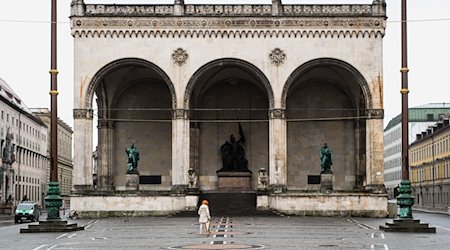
[(429, 158)]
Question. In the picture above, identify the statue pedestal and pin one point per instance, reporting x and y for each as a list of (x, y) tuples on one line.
[(234, 181), (326, 182), (132, 182)]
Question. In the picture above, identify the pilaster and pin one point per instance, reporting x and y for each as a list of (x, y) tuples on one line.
[(105, 144), (82, 169), (178, 9), (277, 8), (277, 148), (77, 8), (375, 155), (180, 148)]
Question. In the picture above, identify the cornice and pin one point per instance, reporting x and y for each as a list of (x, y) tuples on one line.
[(227, 28)]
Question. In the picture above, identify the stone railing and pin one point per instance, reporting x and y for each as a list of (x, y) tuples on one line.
[(235, 10), (128, 10)]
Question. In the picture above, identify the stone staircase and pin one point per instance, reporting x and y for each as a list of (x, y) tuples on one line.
[(230, 204)]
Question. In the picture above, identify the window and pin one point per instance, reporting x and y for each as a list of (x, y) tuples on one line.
[(430, 117)]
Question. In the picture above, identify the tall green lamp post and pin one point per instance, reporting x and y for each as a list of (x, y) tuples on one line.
[(53, 201), (405, 199)]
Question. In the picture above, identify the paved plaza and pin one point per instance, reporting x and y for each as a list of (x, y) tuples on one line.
[(281, 232)]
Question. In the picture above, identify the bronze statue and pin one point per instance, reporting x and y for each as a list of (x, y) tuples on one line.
[(132, 159), (233, 154), (325, 160)]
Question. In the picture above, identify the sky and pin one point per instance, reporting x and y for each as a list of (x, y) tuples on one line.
[(25, 50)]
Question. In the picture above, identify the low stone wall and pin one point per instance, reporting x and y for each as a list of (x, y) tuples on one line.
[(131, 206), (361, 205)]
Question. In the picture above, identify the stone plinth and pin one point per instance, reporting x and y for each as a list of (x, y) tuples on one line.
[(132, 182), (234, 181), (52, 226), (326, 182), (408, 226)]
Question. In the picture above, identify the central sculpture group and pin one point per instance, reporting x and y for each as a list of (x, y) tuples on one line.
[(233, 154)]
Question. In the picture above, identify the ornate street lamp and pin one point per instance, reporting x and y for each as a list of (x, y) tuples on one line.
[(405, 199), (53, 201)]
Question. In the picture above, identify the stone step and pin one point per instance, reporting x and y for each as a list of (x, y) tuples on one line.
[(230, 203), (51, 226), (408, 225)]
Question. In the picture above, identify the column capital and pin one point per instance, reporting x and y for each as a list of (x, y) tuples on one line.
[(87, 114), (277, 114), (375, 113), (180, 114), (104, 124)]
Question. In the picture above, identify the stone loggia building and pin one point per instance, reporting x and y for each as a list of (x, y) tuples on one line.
[(177, 79)]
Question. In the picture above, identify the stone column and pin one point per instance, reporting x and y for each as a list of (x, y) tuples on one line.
[(180, 149), (105, 148), (375, 151), (82, 167), (277, 150)]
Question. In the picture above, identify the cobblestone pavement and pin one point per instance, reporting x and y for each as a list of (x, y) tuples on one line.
[(226, 233)]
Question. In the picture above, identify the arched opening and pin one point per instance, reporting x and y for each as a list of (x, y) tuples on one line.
[(326, 102), (221, 96), (134, 99)]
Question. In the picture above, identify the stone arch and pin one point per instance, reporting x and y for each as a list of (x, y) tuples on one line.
[(326, 101), (327, 62), (224, 62), (98, 77)]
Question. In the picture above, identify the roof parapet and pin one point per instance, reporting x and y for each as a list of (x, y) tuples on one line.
[(376, 9)]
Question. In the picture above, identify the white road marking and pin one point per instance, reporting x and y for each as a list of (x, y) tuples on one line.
[(39, 247), (446, 229), (61, 236), (70, 236)]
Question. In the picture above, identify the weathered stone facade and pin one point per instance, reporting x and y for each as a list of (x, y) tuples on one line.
[(177, 79)]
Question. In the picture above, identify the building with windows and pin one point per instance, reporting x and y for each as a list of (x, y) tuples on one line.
[(420, 118), (24, 150), (65, 163), (180, 81), (429, 157)]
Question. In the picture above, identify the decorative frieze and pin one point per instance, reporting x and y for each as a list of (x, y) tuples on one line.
[(179, 56), (277, 114), (83, 114), (376, 113), (230, 23), (277, 56)]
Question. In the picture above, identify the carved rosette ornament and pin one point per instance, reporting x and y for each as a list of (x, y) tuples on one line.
[(83, 114), (277, 56), (179, 56)]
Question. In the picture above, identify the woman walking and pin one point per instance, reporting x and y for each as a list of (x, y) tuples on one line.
[(204, 216)]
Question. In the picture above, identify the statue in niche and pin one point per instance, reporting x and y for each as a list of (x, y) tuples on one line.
[(325, 160), (132, 159), (233, 154)]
